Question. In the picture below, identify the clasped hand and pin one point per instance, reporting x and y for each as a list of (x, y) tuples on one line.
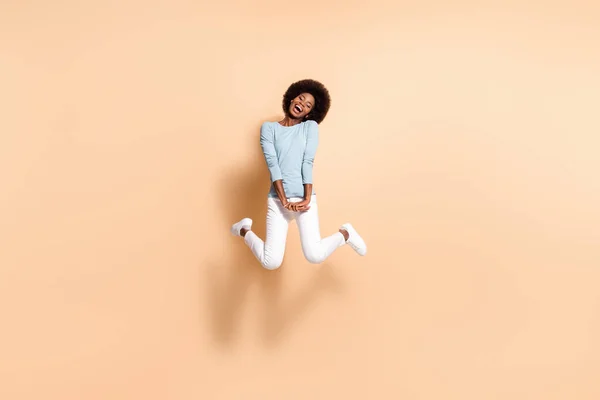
[(298, 205)]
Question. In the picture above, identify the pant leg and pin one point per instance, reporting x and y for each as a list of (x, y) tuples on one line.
[(315, 249), (270, 252)]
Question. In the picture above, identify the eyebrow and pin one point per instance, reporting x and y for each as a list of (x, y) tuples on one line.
[(303, 97)]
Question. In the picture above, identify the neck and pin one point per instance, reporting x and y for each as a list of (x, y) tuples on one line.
[(288, 121)]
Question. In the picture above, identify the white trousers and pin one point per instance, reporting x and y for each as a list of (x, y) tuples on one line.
[(270, 252)]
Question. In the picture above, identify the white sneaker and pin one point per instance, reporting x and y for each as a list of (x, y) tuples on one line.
[(237, 227), (354, 239)]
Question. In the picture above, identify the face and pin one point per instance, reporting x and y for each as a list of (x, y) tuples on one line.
[(302, 105)]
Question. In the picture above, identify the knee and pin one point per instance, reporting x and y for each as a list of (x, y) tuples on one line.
[(314, 257), (272, 263)]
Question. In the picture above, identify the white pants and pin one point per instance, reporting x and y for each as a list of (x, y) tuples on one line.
[(270, 252)]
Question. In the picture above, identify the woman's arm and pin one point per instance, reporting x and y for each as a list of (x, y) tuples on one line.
[(268, 147), (312, 142), (280, 192), (307, 191)]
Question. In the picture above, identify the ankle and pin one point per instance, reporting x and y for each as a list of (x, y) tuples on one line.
[(243, 231), (345, 233)]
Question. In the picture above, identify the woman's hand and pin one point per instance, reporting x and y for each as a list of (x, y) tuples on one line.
[(298, 205)]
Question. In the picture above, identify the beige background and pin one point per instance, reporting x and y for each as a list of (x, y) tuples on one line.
[(462, 142)]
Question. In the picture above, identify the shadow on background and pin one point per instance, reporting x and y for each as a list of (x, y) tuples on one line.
[(243, 192)]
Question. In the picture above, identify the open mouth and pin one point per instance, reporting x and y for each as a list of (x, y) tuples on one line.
[(298, 108)]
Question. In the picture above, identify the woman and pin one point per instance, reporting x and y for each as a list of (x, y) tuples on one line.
[(289, 148)]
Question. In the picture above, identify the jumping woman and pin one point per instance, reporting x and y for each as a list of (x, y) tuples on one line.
[(289, 148)]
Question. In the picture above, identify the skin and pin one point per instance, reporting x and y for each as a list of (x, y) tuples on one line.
[(299, 109)]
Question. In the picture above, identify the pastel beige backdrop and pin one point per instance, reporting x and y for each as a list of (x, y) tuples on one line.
[(463, 142)]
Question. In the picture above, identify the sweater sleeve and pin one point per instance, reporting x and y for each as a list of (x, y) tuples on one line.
[(312, 142), (268, 148)]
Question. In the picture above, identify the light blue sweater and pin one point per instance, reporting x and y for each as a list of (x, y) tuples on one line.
[(290, 152)]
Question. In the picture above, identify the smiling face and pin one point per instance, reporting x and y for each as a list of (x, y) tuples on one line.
[(301, 106)]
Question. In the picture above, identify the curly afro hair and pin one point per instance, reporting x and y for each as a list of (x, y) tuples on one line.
[(317, 90)]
